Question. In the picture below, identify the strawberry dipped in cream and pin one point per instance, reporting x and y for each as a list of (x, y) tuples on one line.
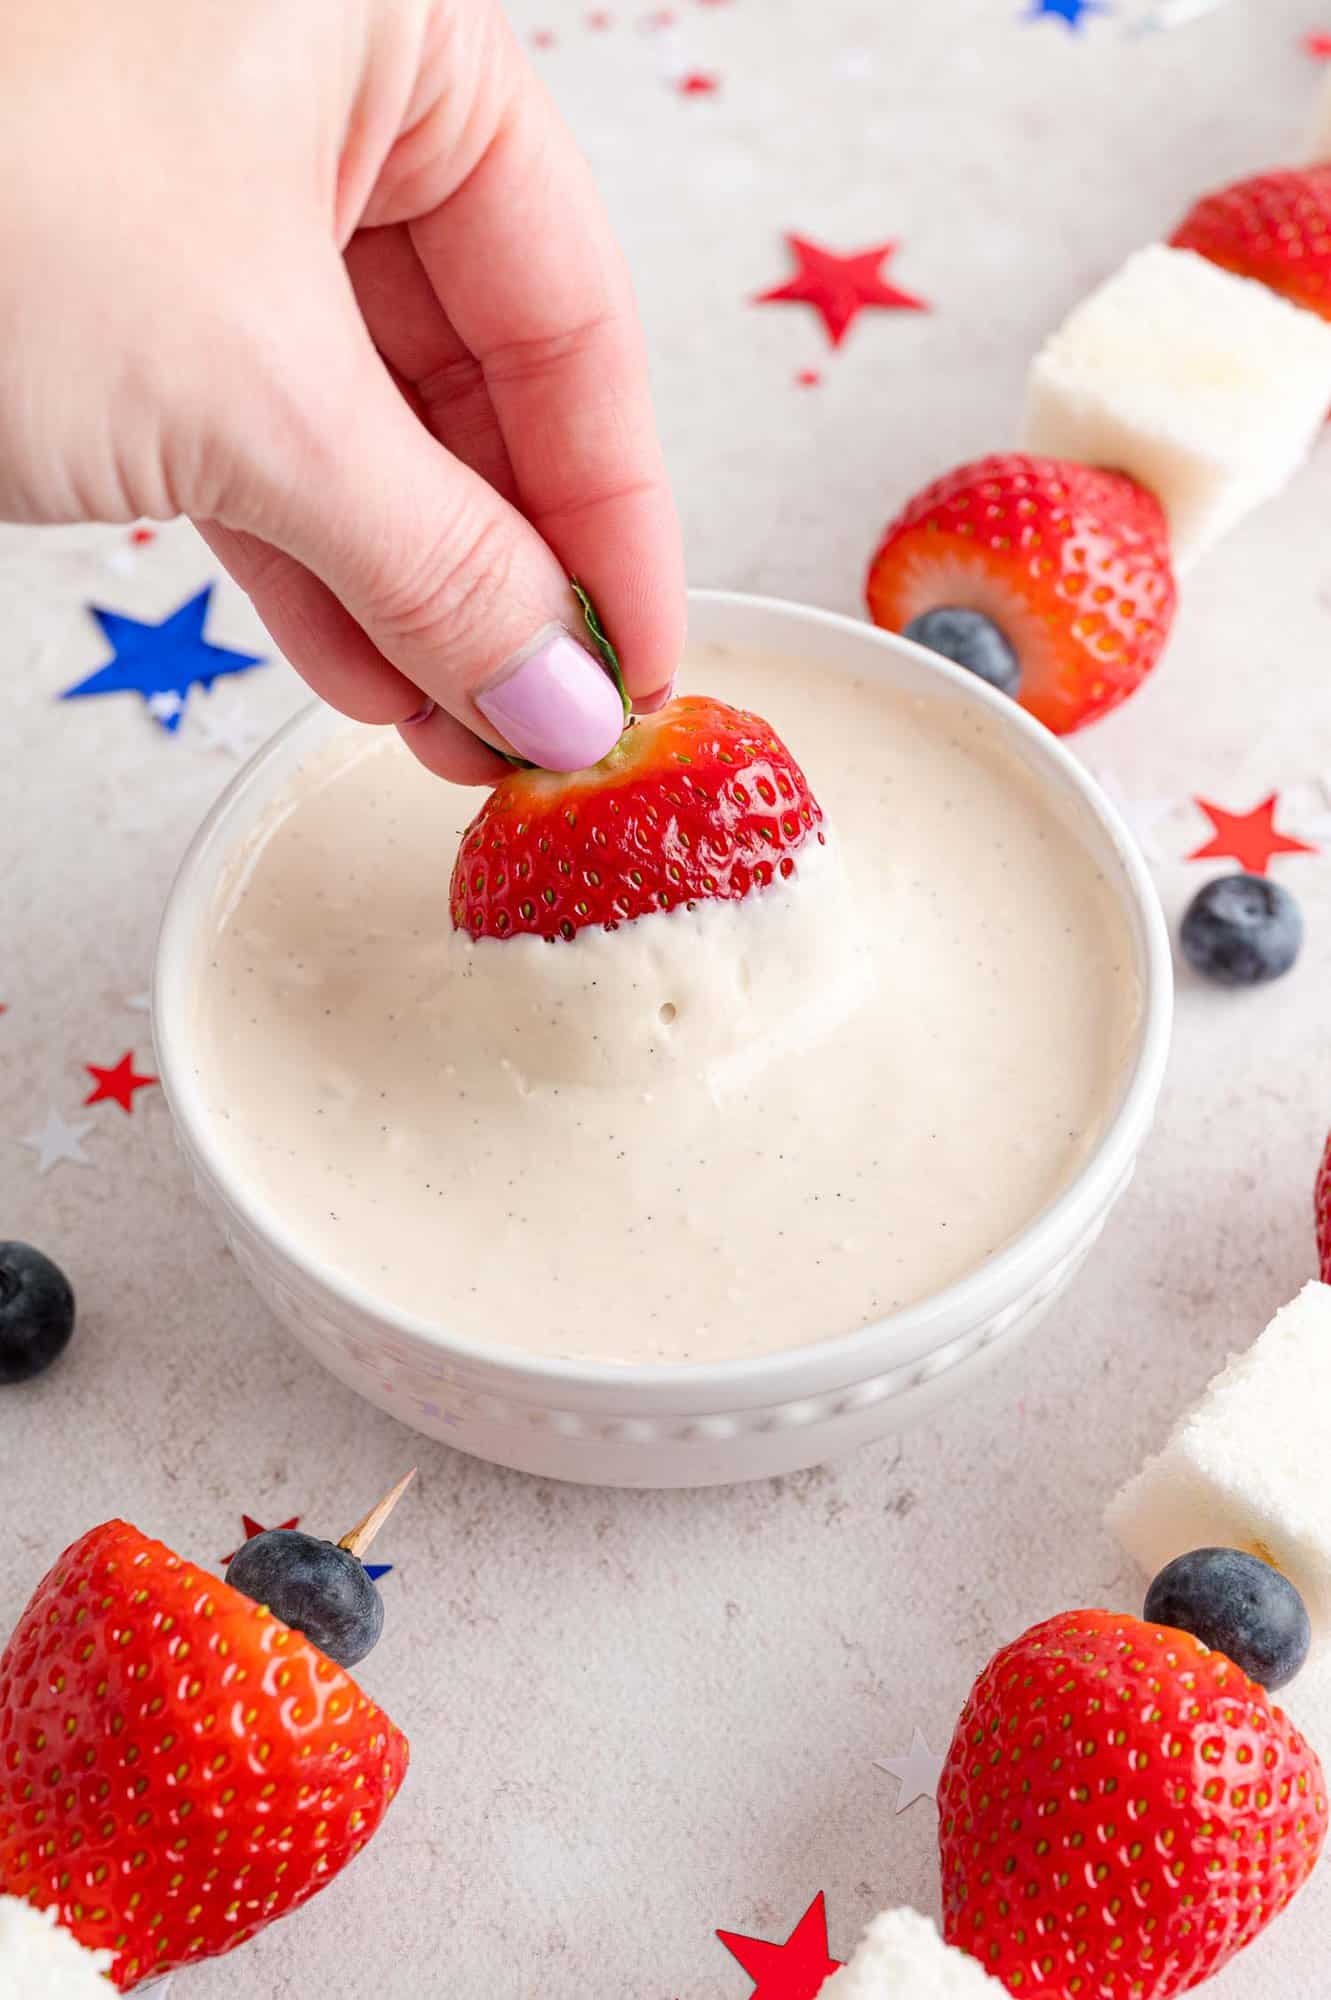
[(789, 1013)]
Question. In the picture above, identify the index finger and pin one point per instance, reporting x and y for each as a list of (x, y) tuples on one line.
[(524, 263)]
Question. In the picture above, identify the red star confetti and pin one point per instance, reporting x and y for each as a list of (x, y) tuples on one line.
[(697, 83), (808, 378), (794, 1970), (1318, 46), (118, 1083), (1248, 838), (142, 536), (839, 287)]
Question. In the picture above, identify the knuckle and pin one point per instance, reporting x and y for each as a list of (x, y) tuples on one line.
[(452, 592)]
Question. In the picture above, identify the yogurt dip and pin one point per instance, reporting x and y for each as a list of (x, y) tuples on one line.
[(713, 1133)]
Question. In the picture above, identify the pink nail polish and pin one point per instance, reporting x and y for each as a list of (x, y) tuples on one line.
[(554, 704)]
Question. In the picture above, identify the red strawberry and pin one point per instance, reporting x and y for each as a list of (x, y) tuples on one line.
[(1121, 1812), (177, 1769), (1071, 564), (1275, 228), (697, 801), (1323, 1208)]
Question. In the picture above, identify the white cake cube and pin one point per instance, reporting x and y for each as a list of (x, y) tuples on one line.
[(902, 1957), (39, 1961), (1250, 1466), (1207, 388), (1318, 149)]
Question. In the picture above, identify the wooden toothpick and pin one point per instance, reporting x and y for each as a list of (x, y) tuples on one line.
[(357, 1540)]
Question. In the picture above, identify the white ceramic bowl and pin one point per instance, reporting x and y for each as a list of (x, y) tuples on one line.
[(701, 1424)]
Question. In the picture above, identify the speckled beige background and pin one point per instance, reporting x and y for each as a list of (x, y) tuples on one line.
[(634, 1717)]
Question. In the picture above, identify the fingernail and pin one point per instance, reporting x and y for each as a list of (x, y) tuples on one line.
[(423, 714), (554, 704), (648, 704)]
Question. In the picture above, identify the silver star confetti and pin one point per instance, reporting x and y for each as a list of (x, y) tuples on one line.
[(57, 1141), (235, 734), (917, 1771)]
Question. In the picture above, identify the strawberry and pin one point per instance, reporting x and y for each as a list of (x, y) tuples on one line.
[(1275, 228), (698, 801), (1070, 563), (1121, 1811), (177, 1768), (1322, 1200)]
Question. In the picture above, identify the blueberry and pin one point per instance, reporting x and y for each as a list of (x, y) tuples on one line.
[(973, 641), (1238, 1606), (313, 1586), (1242, 930), (36, 1312)]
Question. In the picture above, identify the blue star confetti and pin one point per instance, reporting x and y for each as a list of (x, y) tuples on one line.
[(375, 1570), (1074, 12), (161, 662)]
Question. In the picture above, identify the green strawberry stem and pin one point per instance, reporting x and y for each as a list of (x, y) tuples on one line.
[(609, 657)]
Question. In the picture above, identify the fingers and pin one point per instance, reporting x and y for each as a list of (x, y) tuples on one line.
[(411, 330), (313, 630), (451, 588), (527, 272)]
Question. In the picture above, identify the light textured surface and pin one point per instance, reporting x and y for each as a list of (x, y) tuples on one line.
[(635, 1717), (1206, 387), (1217, 1481)]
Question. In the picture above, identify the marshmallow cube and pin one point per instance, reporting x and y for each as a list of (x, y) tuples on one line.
[(902, 1957), (1250, 1466), (1205, 387), (1318, 150)]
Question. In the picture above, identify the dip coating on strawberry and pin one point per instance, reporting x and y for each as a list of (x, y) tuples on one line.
[(1071, 565), (699, 801), (1121, 1811), (177, 1768), (1275, 228)]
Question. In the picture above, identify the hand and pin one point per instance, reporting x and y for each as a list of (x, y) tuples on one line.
[(330, 277)]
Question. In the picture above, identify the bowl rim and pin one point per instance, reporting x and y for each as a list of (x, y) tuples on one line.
[(966, 1302)]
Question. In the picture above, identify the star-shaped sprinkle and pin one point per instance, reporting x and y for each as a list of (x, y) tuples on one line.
[(161, 662), (118, 1083), (794, 1970), (697, 83), (1074, 12), (839, 287), (235, 734), (1248, 838), (57, 1140), (917, 1771)]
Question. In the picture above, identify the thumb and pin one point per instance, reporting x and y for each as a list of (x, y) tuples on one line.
[(447, 581)]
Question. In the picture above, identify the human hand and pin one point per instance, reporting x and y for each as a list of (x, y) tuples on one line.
[(331, 278)]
